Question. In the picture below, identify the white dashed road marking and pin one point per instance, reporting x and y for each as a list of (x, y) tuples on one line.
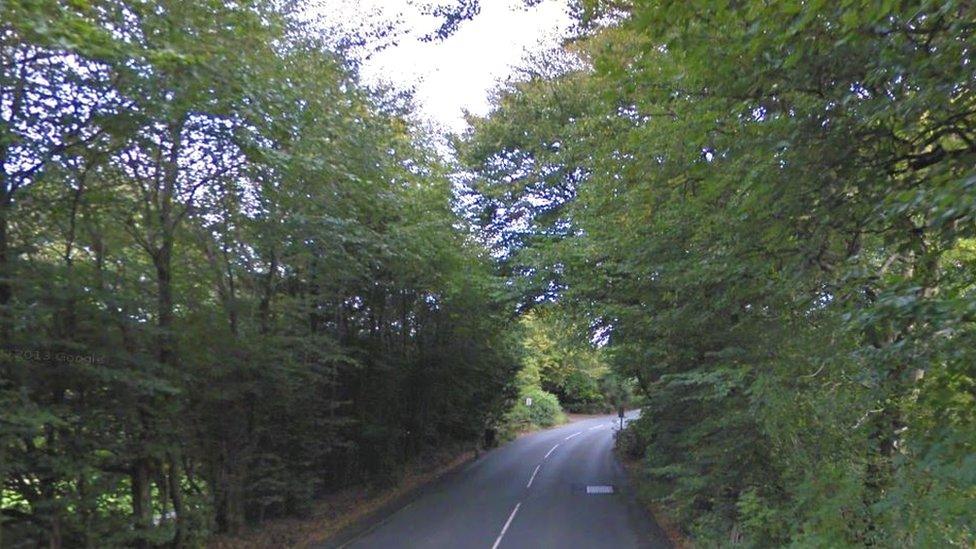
[(507, 524), (573, 435), (534, 473), (549, 453)]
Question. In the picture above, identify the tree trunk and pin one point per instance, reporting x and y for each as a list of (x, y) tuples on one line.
[(141, 500), (164, 285), (6, 292), (175, 477), (264, 308), (54, 539), (229, 492)]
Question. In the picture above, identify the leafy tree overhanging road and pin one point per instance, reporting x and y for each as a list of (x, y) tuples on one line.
[(233, 279)]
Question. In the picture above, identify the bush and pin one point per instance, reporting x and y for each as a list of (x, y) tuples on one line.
[(545, 410), (580, 393), (630, 443)]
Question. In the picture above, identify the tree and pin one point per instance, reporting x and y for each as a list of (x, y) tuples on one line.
[(230, 259), (764, 228)]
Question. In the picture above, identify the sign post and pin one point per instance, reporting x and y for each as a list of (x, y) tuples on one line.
[(620, 414)]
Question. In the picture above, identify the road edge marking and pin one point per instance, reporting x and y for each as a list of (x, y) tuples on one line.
[(508, 523)]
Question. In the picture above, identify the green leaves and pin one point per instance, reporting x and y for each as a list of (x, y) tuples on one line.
[(773, 223), (251, 262)]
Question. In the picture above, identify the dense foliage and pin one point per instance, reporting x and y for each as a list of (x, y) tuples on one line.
[(769, 210), (561, 369), (231, 279)]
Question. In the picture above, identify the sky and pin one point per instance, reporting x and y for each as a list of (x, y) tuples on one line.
[(457, 74)]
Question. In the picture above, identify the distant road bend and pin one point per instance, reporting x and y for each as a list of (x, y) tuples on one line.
[(557, 488)]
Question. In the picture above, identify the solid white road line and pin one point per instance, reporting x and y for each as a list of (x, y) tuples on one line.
[(507, 524), (573, 435), (534, 473), (549, 453)]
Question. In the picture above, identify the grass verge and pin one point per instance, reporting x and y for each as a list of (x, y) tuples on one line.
[(343, 508)]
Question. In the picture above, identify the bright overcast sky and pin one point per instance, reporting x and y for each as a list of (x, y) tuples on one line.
[(456, 74)]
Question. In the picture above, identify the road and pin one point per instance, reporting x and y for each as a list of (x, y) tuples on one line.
[(546, 489)]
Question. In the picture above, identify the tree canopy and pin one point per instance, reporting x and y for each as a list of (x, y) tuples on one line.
[(234, 278), (231, 277), (768, 209)]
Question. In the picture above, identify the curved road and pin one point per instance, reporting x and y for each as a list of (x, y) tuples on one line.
[(546, 489)]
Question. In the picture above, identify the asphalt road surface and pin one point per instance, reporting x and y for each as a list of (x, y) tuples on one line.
[(557, 488)]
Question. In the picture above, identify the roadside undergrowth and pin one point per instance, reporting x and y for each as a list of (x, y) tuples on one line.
[(343, 508), (632, 464)]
